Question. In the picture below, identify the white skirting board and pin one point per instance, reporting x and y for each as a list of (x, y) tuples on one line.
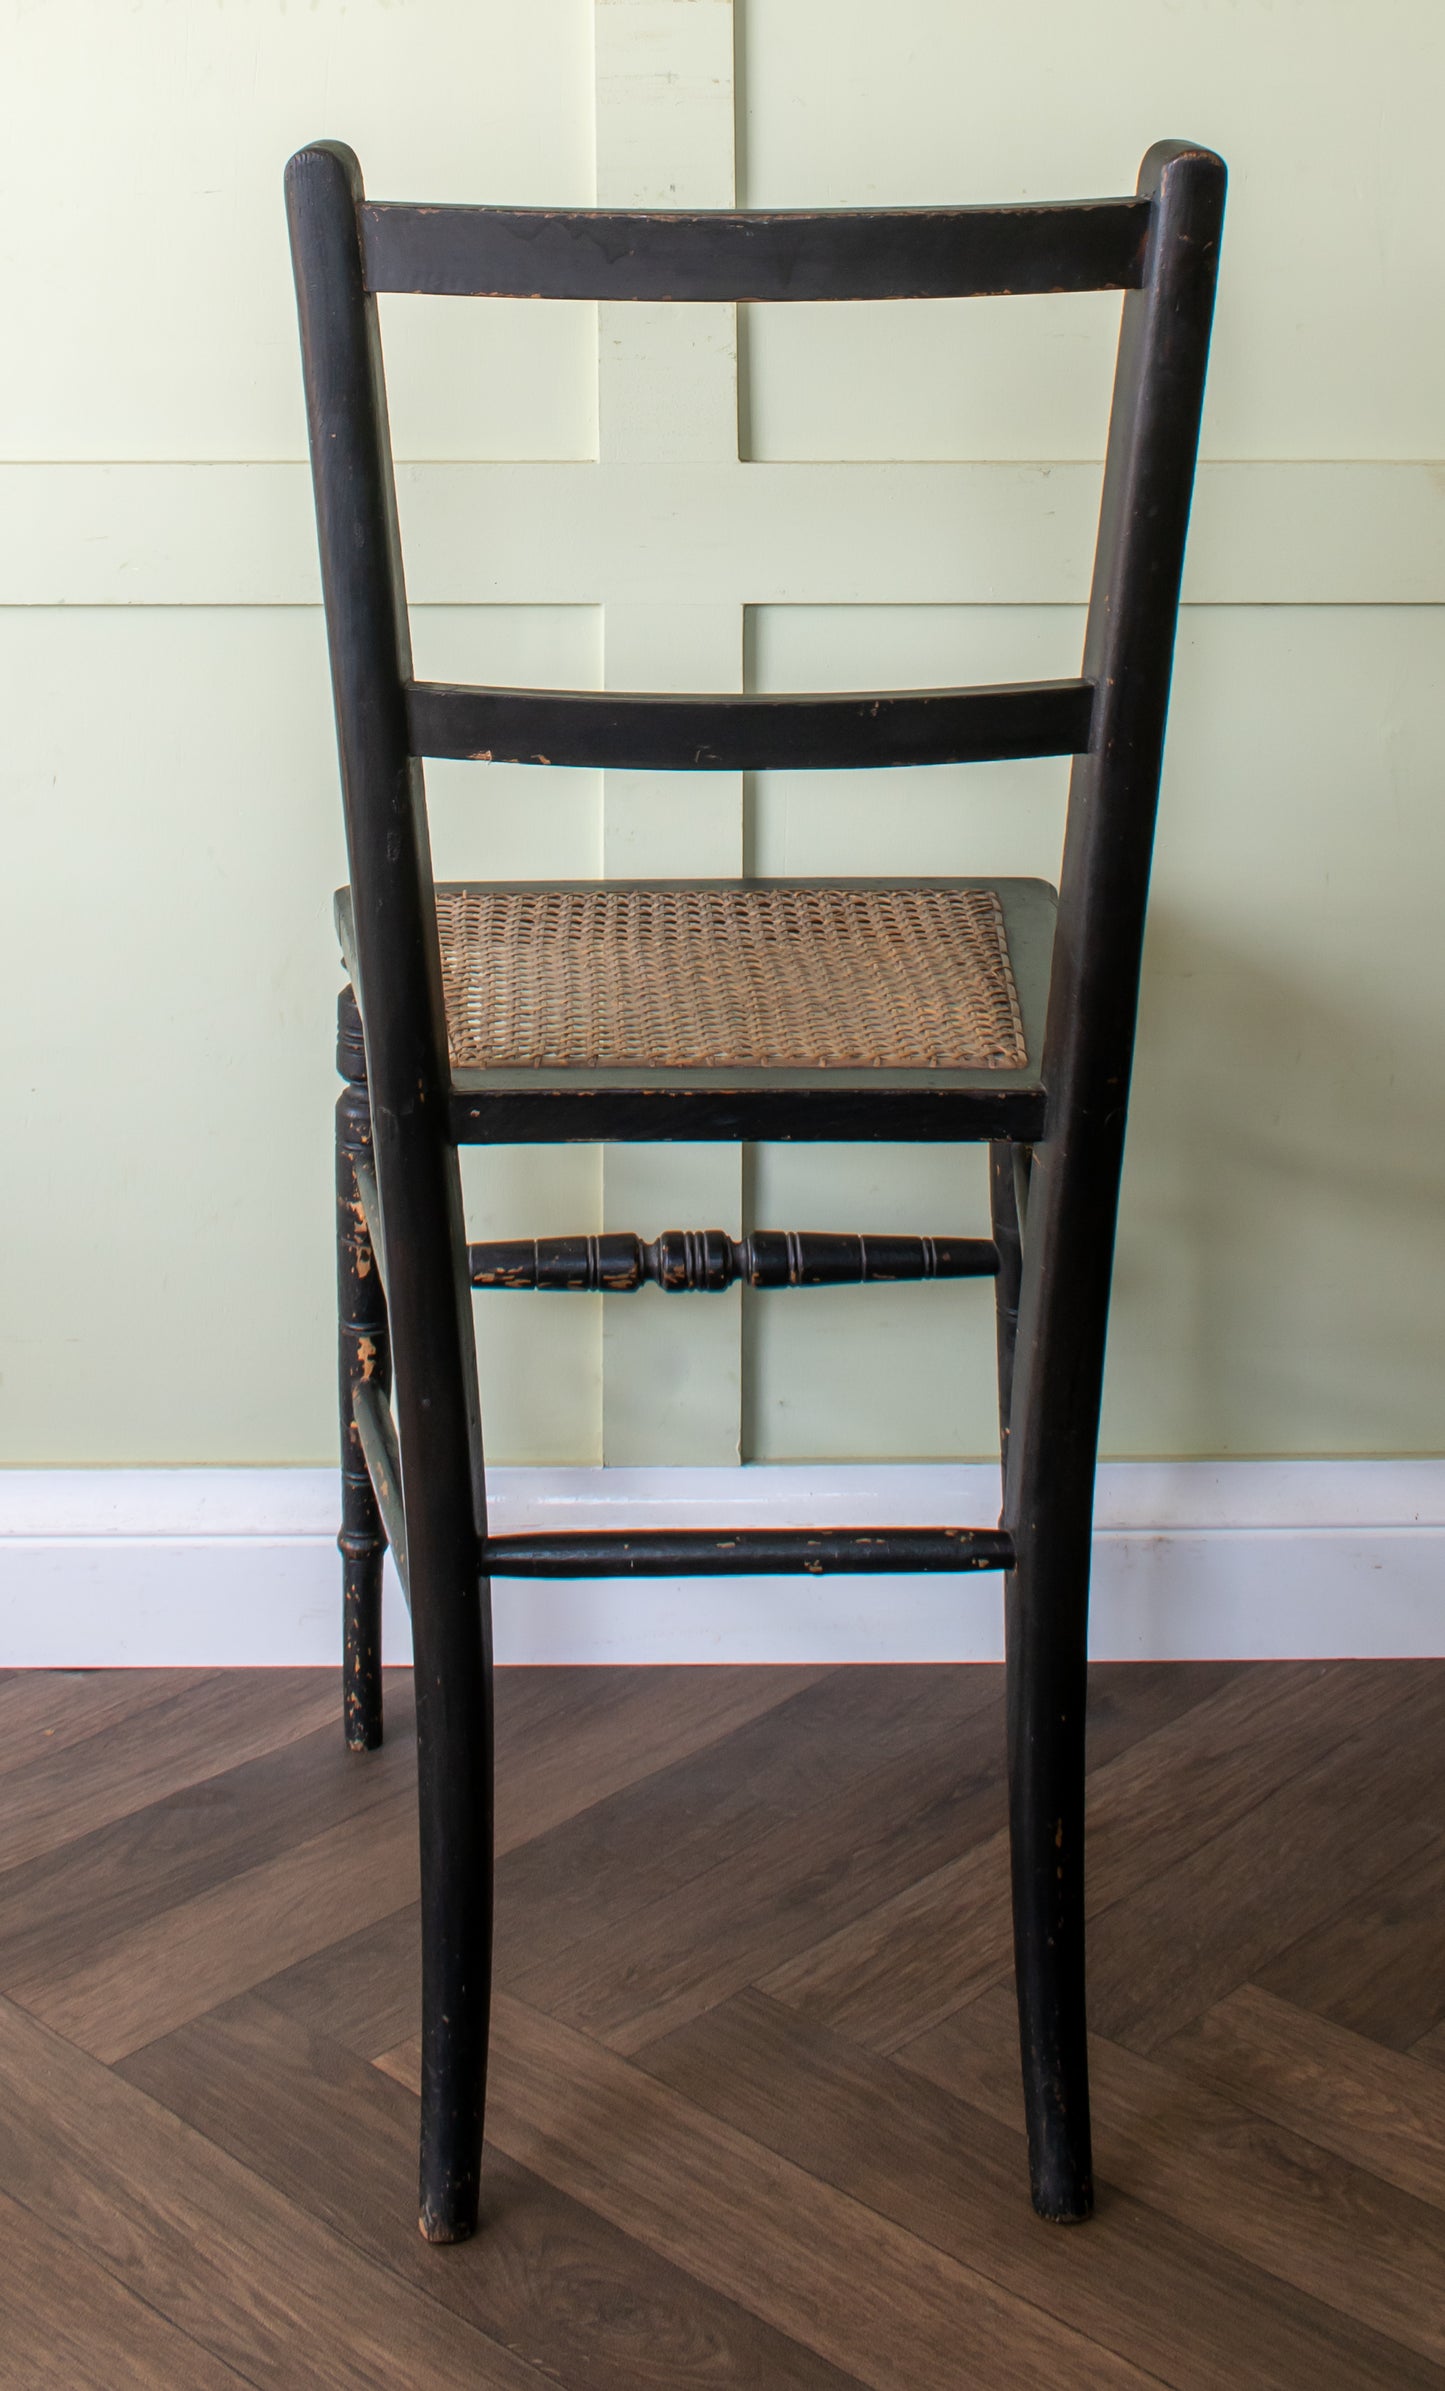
[(1248, 1560)]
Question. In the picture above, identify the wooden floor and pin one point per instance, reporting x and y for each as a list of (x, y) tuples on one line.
[(755, 2117)]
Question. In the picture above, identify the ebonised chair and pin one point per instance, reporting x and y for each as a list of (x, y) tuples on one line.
[(953, 1010)]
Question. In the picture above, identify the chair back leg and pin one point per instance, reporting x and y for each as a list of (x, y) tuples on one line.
[(1067, 1241), (1046, 1618), (434, 1365)]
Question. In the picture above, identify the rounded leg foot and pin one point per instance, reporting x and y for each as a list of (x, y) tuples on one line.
[(443, 2229)]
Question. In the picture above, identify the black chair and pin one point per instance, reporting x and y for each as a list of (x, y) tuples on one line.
[(953, 1010)]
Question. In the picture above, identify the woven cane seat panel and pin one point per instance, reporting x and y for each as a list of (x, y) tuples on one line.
[(729, 978)]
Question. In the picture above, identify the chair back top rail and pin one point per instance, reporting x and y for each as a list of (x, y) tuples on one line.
[(723, 255), (610, 730)]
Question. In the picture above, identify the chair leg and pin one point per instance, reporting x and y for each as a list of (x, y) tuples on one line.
[(1051, 1389), (363, 1351), (444, 1497), (1046, 1643), (454, 1757)]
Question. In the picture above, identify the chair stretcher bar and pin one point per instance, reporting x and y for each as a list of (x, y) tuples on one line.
[(733, 1552), (377, 1430), (707, 1261), (679, 1552)]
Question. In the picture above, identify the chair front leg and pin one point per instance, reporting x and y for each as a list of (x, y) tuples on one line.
[(363, 1351)]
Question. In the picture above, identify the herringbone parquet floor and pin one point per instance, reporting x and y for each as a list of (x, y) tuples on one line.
[(755, 2118)]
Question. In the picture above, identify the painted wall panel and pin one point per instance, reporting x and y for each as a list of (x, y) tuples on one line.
[(166, 1041), (575, 511), (147, 285), (1279, 1287), (1325, 111)]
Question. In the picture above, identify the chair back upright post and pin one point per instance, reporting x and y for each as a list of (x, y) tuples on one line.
[(1073, 1178), (418, 1180)]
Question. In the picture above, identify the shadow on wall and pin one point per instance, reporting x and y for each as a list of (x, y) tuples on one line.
[(1278, 1287)]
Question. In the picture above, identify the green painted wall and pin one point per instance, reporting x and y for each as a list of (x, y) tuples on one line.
[(807, 497)]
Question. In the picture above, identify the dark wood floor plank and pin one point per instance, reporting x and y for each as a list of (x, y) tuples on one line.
[(872, 1832), (1378, 1964), (644, 1845), (766, 2196), (1162, 1956), (1335, 2232), (548, 2278), (363, 1991), (569, 1737), (854, 2286), (227, 2260), (650, 1911), (615, 1855), (905, 1964), (200, 1732), (1377, 2108), (1408, 1770), (52, 1710), (810, 1753), (174, 1966), (1132, 1699), (63, 1910), (667, 1763), (66, 2325), (1430, 2047), (1198, 2317)]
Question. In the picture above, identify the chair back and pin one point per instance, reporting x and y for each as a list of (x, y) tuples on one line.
[(1160, 247)]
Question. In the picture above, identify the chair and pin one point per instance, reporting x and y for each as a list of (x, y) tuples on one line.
[(947, 1009)]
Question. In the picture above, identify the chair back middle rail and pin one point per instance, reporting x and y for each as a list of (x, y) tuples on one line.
[(617, 731)]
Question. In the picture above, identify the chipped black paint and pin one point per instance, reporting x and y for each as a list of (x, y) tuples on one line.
[(723, 255), (708, 1261), (612, 731)]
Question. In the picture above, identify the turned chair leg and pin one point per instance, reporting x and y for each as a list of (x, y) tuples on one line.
[(363, 1351)]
